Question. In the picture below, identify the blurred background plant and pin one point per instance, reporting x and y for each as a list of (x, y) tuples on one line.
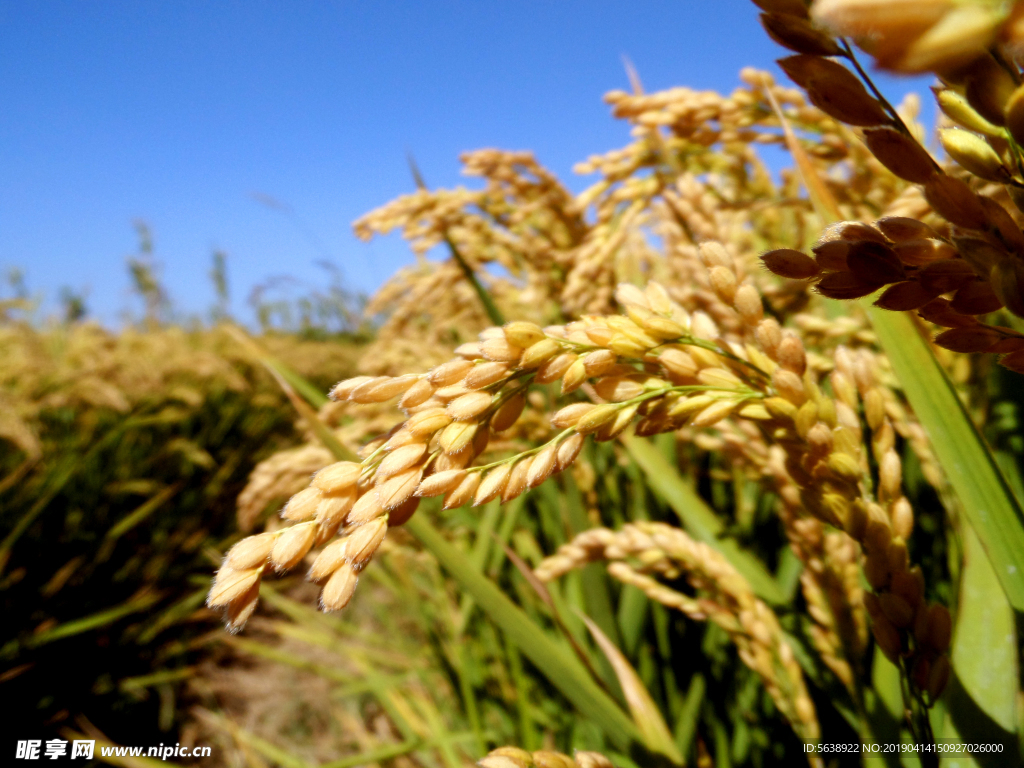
[(791, 545)]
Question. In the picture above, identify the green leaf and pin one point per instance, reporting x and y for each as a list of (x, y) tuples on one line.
[(699, 519), (686, 725), (135, 517), (560, 667), (987, 501), (94, 621), (982, 695), (645, 712)]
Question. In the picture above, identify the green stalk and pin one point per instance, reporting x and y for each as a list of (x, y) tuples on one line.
[(485, 298), (560, 667)]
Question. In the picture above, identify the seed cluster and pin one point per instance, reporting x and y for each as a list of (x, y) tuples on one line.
[(690, 173), (641, 550), (968, 261), (664, 369), (453, 411), (920, 268)]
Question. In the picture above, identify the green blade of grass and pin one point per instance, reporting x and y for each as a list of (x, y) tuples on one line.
[(594, 577), (303, 386), (493, 313), (563, 670), (156, 678), (987, 501), (94, 621), (173, 614), (982, 697), (143, 511), (699, 519), (686, 725)]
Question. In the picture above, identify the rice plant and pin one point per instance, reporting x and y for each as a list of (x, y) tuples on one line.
[(795, 428)]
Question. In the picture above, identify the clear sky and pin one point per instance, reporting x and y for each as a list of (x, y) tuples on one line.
[(177, 113)]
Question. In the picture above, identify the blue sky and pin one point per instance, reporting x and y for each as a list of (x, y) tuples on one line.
[(176, 113)]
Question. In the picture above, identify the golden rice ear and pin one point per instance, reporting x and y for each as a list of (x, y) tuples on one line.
[(240, 611), (464, 492), (343, 389), (874, 263), (400, 515), (517, 479), (449, 373), (523, 334), (329, 560), (947, 275), (863, 18), (457, 436), (485, 374), (441, 482), (1007, 279), (1014, 115), (900, 228), (338, 477), (230, 585), (592, 760), (417, 394), (509, 413), (399, 460), (292, 545), (976, 298), (507, 757), (250, 552), (365, 540), (470, 405), (395, 491), (938, 677), (956, 108), (492, 485), (302, 506)]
